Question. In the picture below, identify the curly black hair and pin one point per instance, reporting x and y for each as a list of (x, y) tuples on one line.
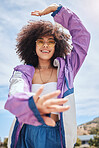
[(26, 41)]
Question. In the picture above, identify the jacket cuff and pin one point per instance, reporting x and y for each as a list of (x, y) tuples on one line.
[(35, 110), (58, 9)]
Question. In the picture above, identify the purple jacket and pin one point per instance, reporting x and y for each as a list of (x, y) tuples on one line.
[(20, 100)]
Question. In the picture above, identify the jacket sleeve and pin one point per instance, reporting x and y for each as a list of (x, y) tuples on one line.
[(80, 37), (20, 101)]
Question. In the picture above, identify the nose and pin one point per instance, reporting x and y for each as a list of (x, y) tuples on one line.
[(45, 44)]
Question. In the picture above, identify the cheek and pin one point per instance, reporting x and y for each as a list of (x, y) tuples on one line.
[(53, 51), (37, 50)]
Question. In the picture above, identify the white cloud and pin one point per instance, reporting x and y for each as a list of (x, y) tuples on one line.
[(2, 105), (88, 107), (92, 9), (88, 7), (26, 3)]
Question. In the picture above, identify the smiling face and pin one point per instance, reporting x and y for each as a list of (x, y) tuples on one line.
[(45, 47)]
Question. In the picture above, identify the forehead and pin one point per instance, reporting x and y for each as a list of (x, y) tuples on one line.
[(46, 37)]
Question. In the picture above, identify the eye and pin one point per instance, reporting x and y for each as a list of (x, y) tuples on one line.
[(40, 41), (52, 42)]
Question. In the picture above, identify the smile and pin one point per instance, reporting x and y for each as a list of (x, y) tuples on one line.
[(45, 51)]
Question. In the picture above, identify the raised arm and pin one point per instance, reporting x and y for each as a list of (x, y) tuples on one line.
[(80, 36)]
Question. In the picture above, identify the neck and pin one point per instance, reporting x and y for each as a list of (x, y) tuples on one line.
[(43, 64)]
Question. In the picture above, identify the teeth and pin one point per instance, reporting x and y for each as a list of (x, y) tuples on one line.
[(45, 51)]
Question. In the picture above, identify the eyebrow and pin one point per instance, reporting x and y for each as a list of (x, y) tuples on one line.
[(48, 38), (51, 39)]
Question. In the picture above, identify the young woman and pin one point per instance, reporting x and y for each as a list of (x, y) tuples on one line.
[(39, 89)]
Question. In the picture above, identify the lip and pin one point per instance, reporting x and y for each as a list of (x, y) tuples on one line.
[(45, 51)]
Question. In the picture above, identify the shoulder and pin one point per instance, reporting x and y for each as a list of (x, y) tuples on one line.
[(23, 67), (27, 70)]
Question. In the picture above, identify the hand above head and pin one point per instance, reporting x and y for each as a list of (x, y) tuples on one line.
[(47, 104), (45, 11)]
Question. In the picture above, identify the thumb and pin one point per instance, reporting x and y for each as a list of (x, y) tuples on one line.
[(48, 121)]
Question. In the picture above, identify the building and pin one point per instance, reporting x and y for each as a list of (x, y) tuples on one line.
[(85, 138)]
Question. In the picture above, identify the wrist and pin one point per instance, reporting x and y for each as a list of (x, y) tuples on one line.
[(54, 7), (57, 10)]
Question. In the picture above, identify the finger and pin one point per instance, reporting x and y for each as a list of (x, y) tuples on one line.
[(36, 96), (49, 96), (37, 13), (48, 121), (57, 108), (34, 11), (54, 102)]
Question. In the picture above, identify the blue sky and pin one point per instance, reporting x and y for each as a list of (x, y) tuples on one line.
[(13, 16)]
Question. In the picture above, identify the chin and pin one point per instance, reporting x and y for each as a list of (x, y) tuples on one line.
[(45, 57)]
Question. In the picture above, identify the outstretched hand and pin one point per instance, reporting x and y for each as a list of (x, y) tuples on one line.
[(46, 104), (47, 10)]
